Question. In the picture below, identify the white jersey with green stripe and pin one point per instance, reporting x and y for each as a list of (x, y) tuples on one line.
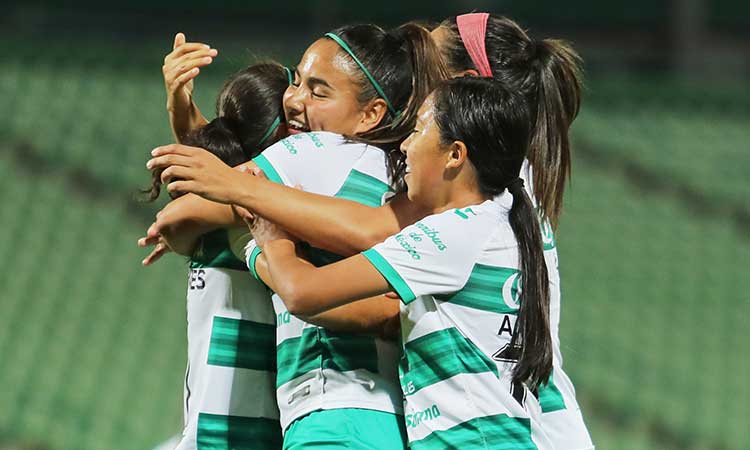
[(457, 275), (318, 368), (561, 415), (230, 399)]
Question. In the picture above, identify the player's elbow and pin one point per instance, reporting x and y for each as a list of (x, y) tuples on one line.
[(299, 305), (298, 299)]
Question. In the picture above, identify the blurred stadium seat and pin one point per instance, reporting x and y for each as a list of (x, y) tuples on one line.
[(653, 244)]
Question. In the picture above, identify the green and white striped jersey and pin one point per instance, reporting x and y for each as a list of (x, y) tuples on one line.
[(230, 399), (318, 368), (457, 275), (561, 416)]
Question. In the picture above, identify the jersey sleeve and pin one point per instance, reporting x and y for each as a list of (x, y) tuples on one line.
[(299, 159), (433, 256), (251, 253)]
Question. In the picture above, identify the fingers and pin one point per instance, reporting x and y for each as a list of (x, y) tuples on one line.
[(244, 214), (182, 187), (198, 57), (175, 149), (148, 241), (157, 253), (185, 49), (153, 231), (179, 39), (175, 68), (173, 173), (171, 159), (393, 295), (182, 79)]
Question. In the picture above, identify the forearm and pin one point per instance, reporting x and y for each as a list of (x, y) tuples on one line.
[(183, 122), (308, 291), (341, 226), (184, 220), (368, 316)]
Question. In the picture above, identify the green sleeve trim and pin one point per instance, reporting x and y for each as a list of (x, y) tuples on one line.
[(390, 274), (268, 169), (251, 262)]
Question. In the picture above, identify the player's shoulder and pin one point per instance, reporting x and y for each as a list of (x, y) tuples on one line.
[(468, 226), (320, 141), (482, 215)]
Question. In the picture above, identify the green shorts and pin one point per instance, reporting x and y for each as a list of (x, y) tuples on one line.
[(348, 428)]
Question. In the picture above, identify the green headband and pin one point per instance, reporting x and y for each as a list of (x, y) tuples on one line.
[(275, 124), (270, 131), (375, 84), (289, 75)]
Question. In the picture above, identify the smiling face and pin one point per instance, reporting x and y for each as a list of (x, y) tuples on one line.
[(426, 158), (323, 96)]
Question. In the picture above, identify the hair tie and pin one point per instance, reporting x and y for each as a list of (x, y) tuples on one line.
[(534, 48), (515, 185), (369, 76), (472, 28)]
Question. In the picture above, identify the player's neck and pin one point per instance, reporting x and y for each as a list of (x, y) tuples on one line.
[(458, 195)]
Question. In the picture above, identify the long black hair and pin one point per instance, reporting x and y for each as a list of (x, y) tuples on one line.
[(248, 111), (548, 73), (494, 123), (407, 65)]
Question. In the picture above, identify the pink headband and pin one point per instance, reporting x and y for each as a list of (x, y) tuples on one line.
[(472, 29)]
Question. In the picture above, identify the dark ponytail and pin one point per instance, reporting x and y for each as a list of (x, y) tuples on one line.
[(548, 74), (407, 65), (494, 124), (558, 101), (531, 334), (252, 100), (248, 114)]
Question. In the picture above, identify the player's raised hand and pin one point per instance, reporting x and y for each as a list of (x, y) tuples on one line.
[(180, 68)]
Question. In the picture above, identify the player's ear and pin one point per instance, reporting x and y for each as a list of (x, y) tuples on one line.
[(372, 115), (457, 155)]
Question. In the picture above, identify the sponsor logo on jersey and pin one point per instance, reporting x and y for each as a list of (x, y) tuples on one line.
[(316, 140), (416, 419), (434, 236), (283, 318), (512, 291), (408, 247), (289, 145)]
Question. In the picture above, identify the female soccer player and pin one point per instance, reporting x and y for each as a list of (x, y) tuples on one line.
[(230, 399), (339, 389), (472, 360), (547, 73)]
